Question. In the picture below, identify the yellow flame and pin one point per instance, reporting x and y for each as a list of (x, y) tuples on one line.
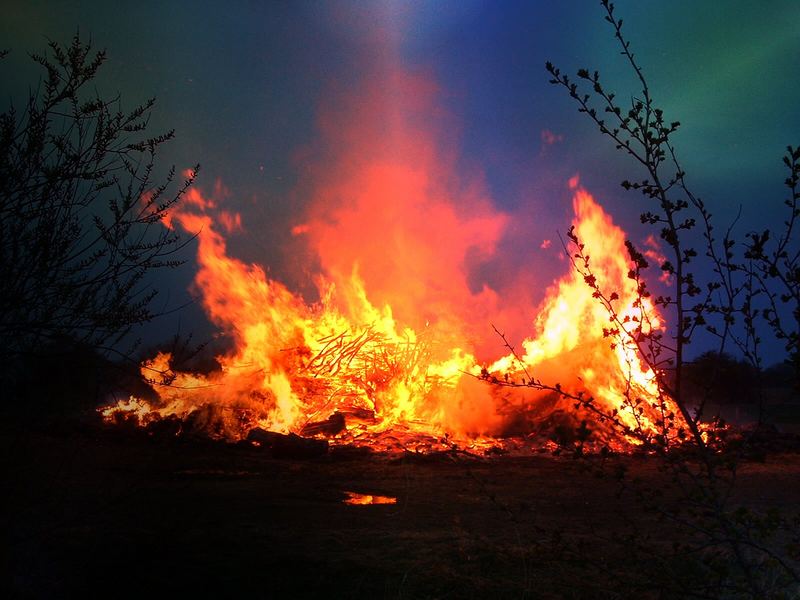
[(293, 363)]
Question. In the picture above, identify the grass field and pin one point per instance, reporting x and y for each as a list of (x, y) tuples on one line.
[(112, 514)]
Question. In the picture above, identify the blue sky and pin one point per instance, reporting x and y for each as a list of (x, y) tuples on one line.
[(242, 84)]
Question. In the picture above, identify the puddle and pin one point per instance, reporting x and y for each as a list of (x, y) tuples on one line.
[(356, 498)]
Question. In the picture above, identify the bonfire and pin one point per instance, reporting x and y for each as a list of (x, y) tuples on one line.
[(346, 369)]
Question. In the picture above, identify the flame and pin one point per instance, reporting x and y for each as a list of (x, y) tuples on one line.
[(570, 346), (294, 366), (295, 363), (389, 351)]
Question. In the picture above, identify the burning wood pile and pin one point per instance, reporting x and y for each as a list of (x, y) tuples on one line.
[(347, 370)]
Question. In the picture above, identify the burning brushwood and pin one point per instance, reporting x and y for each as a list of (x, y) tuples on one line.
[(362, 367), (355, 373)]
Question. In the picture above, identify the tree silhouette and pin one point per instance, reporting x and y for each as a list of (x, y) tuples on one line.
[(730, 289), (80, 212)]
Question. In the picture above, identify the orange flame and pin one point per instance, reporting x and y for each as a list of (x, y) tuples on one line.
[(295, 364), (569, 345), (391, 348)]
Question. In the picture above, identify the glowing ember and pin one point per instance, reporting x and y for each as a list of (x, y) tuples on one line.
[(360, 499)]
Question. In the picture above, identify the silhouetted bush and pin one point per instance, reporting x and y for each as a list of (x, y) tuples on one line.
[(80, 213)]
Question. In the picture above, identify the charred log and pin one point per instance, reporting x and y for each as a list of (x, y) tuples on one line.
[(329, 427), (289, 446)]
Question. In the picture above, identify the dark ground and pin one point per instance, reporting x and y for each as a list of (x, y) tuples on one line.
[(104, 513)]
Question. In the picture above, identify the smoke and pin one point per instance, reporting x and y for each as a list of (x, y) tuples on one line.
[(388, 201)]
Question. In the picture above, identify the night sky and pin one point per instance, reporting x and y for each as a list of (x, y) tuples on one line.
[(243, 85)]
